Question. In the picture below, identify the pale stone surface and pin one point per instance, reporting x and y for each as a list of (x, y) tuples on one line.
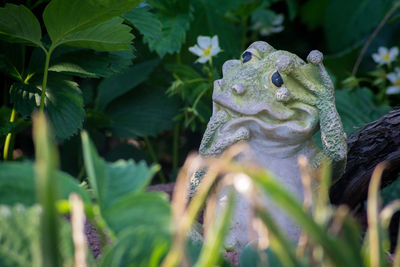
[(275, 102)]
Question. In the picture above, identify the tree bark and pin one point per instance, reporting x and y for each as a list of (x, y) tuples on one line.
[(378, 141)]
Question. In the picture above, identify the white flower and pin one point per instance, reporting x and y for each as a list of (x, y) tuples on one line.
[(385, 56), (394, 78), (205, 48), (275, 27)]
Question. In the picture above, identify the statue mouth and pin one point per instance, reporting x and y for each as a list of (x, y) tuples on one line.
[(298, 121)]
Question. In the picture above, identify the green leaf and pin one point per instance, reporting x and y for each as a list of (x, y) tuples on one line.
[(173, 34), (117, 85), (23, 96), (17, 184), (19, 25), (349, 21), (293, 7), (146, 111), (113, 181), (91, 64), (111, 35), (143, 247), (65, 17), (5, 124), (208, 21), (63, 102), (20, 240), (12, 60), (357, 108), (312, 13), (135, 210), (145, 21)]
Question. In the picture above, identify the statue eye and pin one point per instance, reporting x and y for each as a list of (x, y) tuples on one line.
[(246, 56), (276, 79)]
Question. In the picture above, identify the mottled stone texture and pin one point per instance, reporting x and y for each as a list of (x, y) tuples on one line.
[(276, 119)]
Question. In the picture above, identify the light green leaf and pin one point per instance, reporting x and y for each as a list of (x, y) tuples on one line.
[(17, 184), (117, 85), (113, 181), (173, 34), (91, 64), (349, 21), (111, 35), (146, 111), (65, 17), (63, 102), (19, 25), (145, 21)]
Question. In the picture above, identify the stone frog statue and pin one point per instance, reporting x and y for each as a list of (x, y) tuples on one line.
[(275, 102)]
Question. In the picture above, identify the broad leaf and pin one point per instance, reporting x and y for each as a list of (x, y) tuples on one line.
[(173, 33), (117, 85), (65, 17), (135, 210), (113, 181), (118, 190), (145, 21), (19, 25), (143, 246), (349, 21), (20, 242), (17, 184), (12, 60), (357, 108), (146, 111), (63, 103), (111, 35), (91, 64)]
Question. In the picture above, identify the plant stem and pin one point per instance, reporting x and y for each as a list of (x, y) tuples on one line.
[(44, 84), (154, 158), (9, 143), (175, 146), (372, 37)]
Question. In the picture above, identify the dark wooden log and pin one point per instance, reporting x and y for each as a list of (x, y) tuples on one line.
[(378, 141)]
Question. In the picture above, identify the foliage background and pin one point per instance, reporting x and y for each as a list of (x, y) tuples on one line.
[(148, 99)]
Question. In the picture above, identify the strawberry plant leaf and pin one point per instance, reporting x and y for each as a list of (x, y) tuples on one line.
[(111, 35), (117, 85), (173, 35), (62, 18), (19, 25), (145, 21), (17, 184), (63, 103), (91, 64), (113, 181), (145, 111)]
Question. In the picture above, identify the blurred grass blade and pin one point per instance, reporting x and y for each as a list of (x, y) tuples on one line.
[(210, 253), (279, 243), (396, 261), (78, 231), (46, 189), (376, 253), (283, 199)]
